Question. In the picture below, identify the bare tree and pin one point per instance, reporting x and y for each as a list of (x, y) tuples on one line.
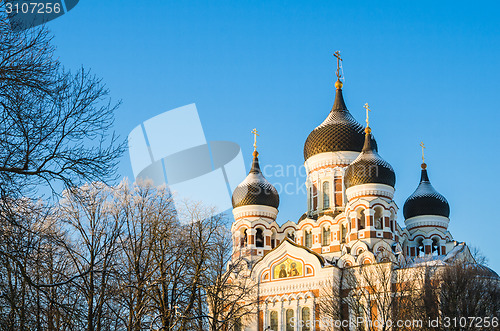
[(182, 253), (469, 294), (148, 216), (54, 125), (114, 258), (37, 257), (55, 132), (376, 297), (333, 299), (228, 292), (88, 213), (26, 59)]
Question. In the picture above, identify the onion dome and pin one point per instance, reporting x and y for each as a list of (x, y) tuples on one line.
[(255, 189), (425, 200), (369, 167), (339, 131)]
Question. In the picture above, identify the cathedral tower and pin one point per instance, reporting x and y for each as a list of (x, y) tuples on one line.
[(427, 213), (329, 148), (371, 211), (255, 208)]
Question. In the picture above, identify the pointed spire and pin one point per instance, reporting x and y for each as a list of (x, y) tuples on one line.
[(255, 163), (370, 145), (367, 147), (423, 176), (339, 103)]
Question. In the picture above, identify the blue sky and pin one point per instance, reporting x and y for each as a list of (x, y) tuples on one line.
[(428, 69)]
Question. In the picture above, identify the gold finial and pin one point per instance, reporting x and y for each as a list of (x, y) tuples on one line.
[(255, 134), (368, 110), (423, 155)]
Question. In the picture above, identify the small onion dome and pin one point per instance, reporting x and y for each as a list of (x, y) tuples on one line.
[(369, 167), (425, 200), (255, 189), (339, 131)]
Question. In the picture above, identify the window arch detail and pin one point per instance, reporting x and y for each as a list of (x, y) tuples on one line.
[(325, 236), (308, 238), (290, 326), (259, 237), (326, 195), (306, 319), (274, 320)]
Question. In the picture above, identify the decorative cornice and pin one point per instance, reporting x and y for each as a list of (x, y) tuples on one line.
[(427, 221), (379, 190), (255, 211), (329, 159)]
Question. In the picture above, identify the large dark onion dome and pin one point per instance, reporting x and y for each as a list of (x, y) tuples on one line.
[(369, 167), (425, 200), (255, 189), (339, 131)]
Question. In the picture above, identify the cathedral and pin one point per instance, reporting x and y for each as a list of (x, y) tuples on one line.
[(351, 220)]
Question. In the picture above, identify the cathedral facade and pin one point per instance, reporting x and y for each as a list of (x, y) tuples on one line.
[(351, 220)]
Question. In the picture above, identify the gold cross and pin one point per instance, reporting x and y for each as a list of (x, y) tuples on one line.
[(423, 147), (255, 134), (367, 114), (337, 55)]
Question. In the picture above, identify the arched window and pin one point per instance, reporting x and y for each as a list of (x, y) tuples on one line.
[(311, 198), (259, 238), (315, 197), (308, 238), (273, 239), (435, 246), (291, 235), (290, 326), (392, 220), (306, 319), (420, 247), (244, 238), (379, 220), (274, 320), (337, 188), (326, 195), (361, 219), (326, 236), (343, 234)]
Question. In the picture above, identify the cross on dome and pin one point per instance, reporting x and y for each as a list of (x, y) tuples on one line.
[(339, 65), (423, 156), (255, 134), (368, 110), (367, 107)]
